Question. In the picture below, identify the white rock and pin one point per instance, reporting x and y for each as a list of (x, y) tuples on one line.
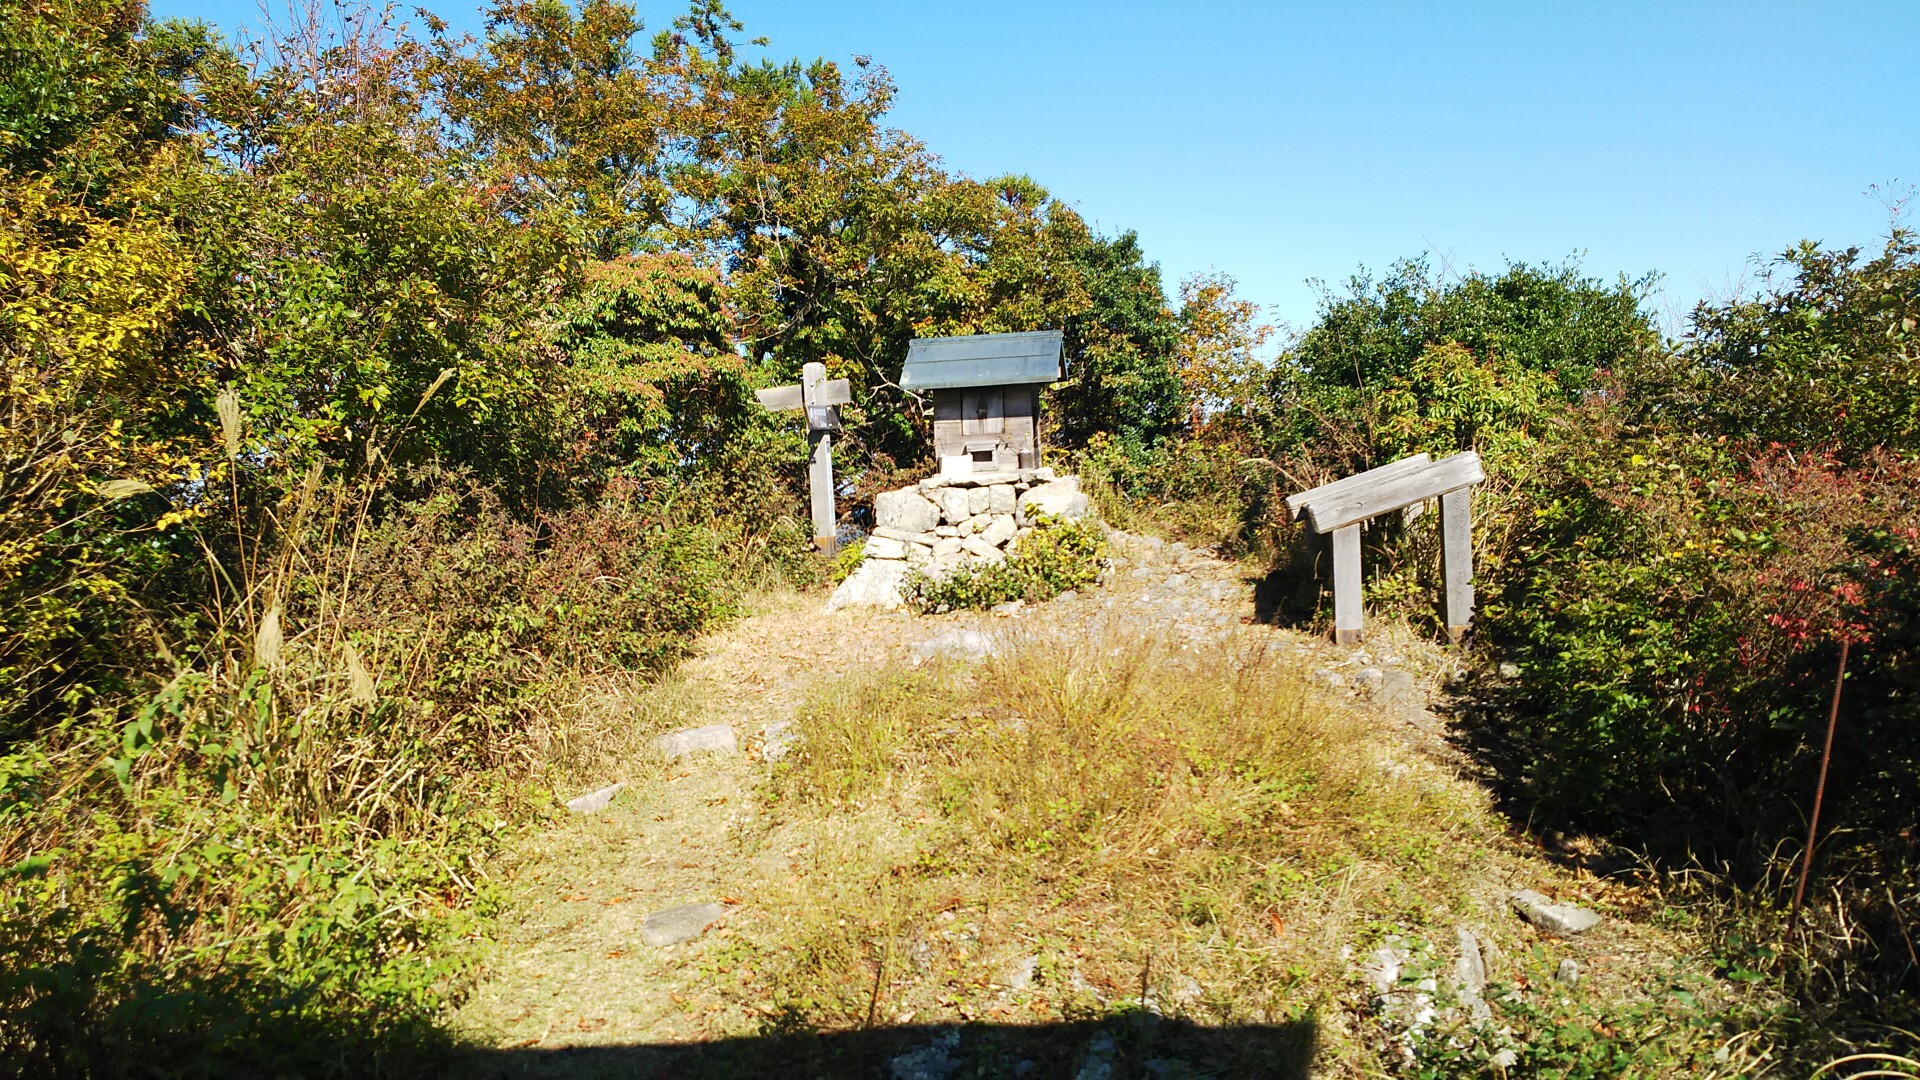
[(959, 644), (1061, 499), (1002, 499), (918, 555), (1563, 920), (594, 800), (978, 500), (948, 547), (714, 738), (999, 530), (776, 739), (885, 547), (978, 547), (677, 924), (874, 583), (984, 479), (905, 510), (954, 505), (947, 530)]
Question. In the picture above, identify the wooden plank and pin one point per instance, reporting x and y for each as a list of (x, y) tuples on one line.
[(813, 380), (778, 398), (1395, 492), (1346, 585), (1298, 503), (835, 392), (1456, 530), (820, 481)]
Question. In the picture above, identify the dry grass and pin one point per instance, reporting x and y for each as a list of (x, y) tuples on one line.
[(1194, 831)]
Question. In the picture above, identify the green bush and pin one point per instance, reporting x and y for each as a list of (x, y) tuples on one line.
[(1056, 556)]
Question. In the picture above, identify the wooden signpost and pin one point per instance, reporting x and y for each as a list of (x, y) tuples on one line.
[(821, 398), (1343, 506)]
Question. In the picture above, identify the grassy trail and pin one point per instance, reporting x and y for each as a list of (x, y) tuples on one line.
[(883, 898)]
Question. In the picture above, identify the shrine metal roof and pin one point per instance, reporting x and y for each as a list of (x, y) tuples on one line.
[(982, 360)]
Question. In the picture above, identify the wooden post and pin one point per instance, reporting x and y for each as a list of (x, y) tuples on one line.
[(820, 488), (1346, 585), (1456, 559)]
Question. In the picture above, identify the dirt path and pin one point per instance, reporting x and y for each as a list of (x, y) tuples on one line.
[(570, 969)]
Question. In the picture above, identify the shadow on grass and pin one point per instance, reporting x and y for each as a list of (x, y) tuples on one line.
[(1140, 1046)]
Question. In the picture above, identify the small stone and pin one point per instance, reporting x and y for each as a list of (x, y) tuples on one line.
[(1568, 973), (714, 738), (975, 525), (1019, 974), (776, 739), (1000, 529), (947, 547), (677, 924), (1562, 920), (959, 644), (1098, 1064), (1470, 971), (978, 500), (980, 549), (594, 800), (938, 1060), (1368, 679), (918, 556), (1002, 499), (885, 547), (1067, 596), (946, 530), (1011, 607)]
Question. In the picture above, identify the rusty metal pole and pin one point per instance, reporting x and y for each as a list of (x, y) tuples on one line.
[(1820, 786)]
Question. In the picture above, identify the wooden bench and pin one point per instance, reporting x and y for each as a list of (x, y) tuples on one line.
[(1343, 506)]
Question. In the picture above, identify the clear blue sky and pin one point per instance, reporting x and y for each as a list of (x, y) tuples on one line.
[(1282, 142)]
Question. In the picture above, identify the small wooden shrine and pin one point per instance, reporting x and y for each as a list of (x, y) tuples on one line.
[(985, 390)]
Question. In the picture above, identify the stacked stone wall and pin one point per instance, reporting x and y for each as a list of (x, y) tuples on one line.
[(946, 522)]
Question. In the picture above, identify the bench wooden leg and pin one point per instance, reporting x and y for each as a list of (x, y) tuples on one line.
[(1456, 529), (1346, 585)]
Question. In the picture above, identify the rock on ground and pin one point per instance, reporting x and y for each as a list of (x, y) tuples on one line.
[(714, 738), (677, 924), (960, 644), (594, 800), (937, 1060), (874, 583), (1563, 920)]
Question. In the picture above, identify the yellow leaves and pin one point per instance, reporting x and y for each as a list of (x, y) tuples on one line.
[(80, 293)]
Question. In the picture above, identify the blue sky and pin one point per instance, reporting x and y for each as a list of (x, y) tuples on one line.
[(1280, 143)]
